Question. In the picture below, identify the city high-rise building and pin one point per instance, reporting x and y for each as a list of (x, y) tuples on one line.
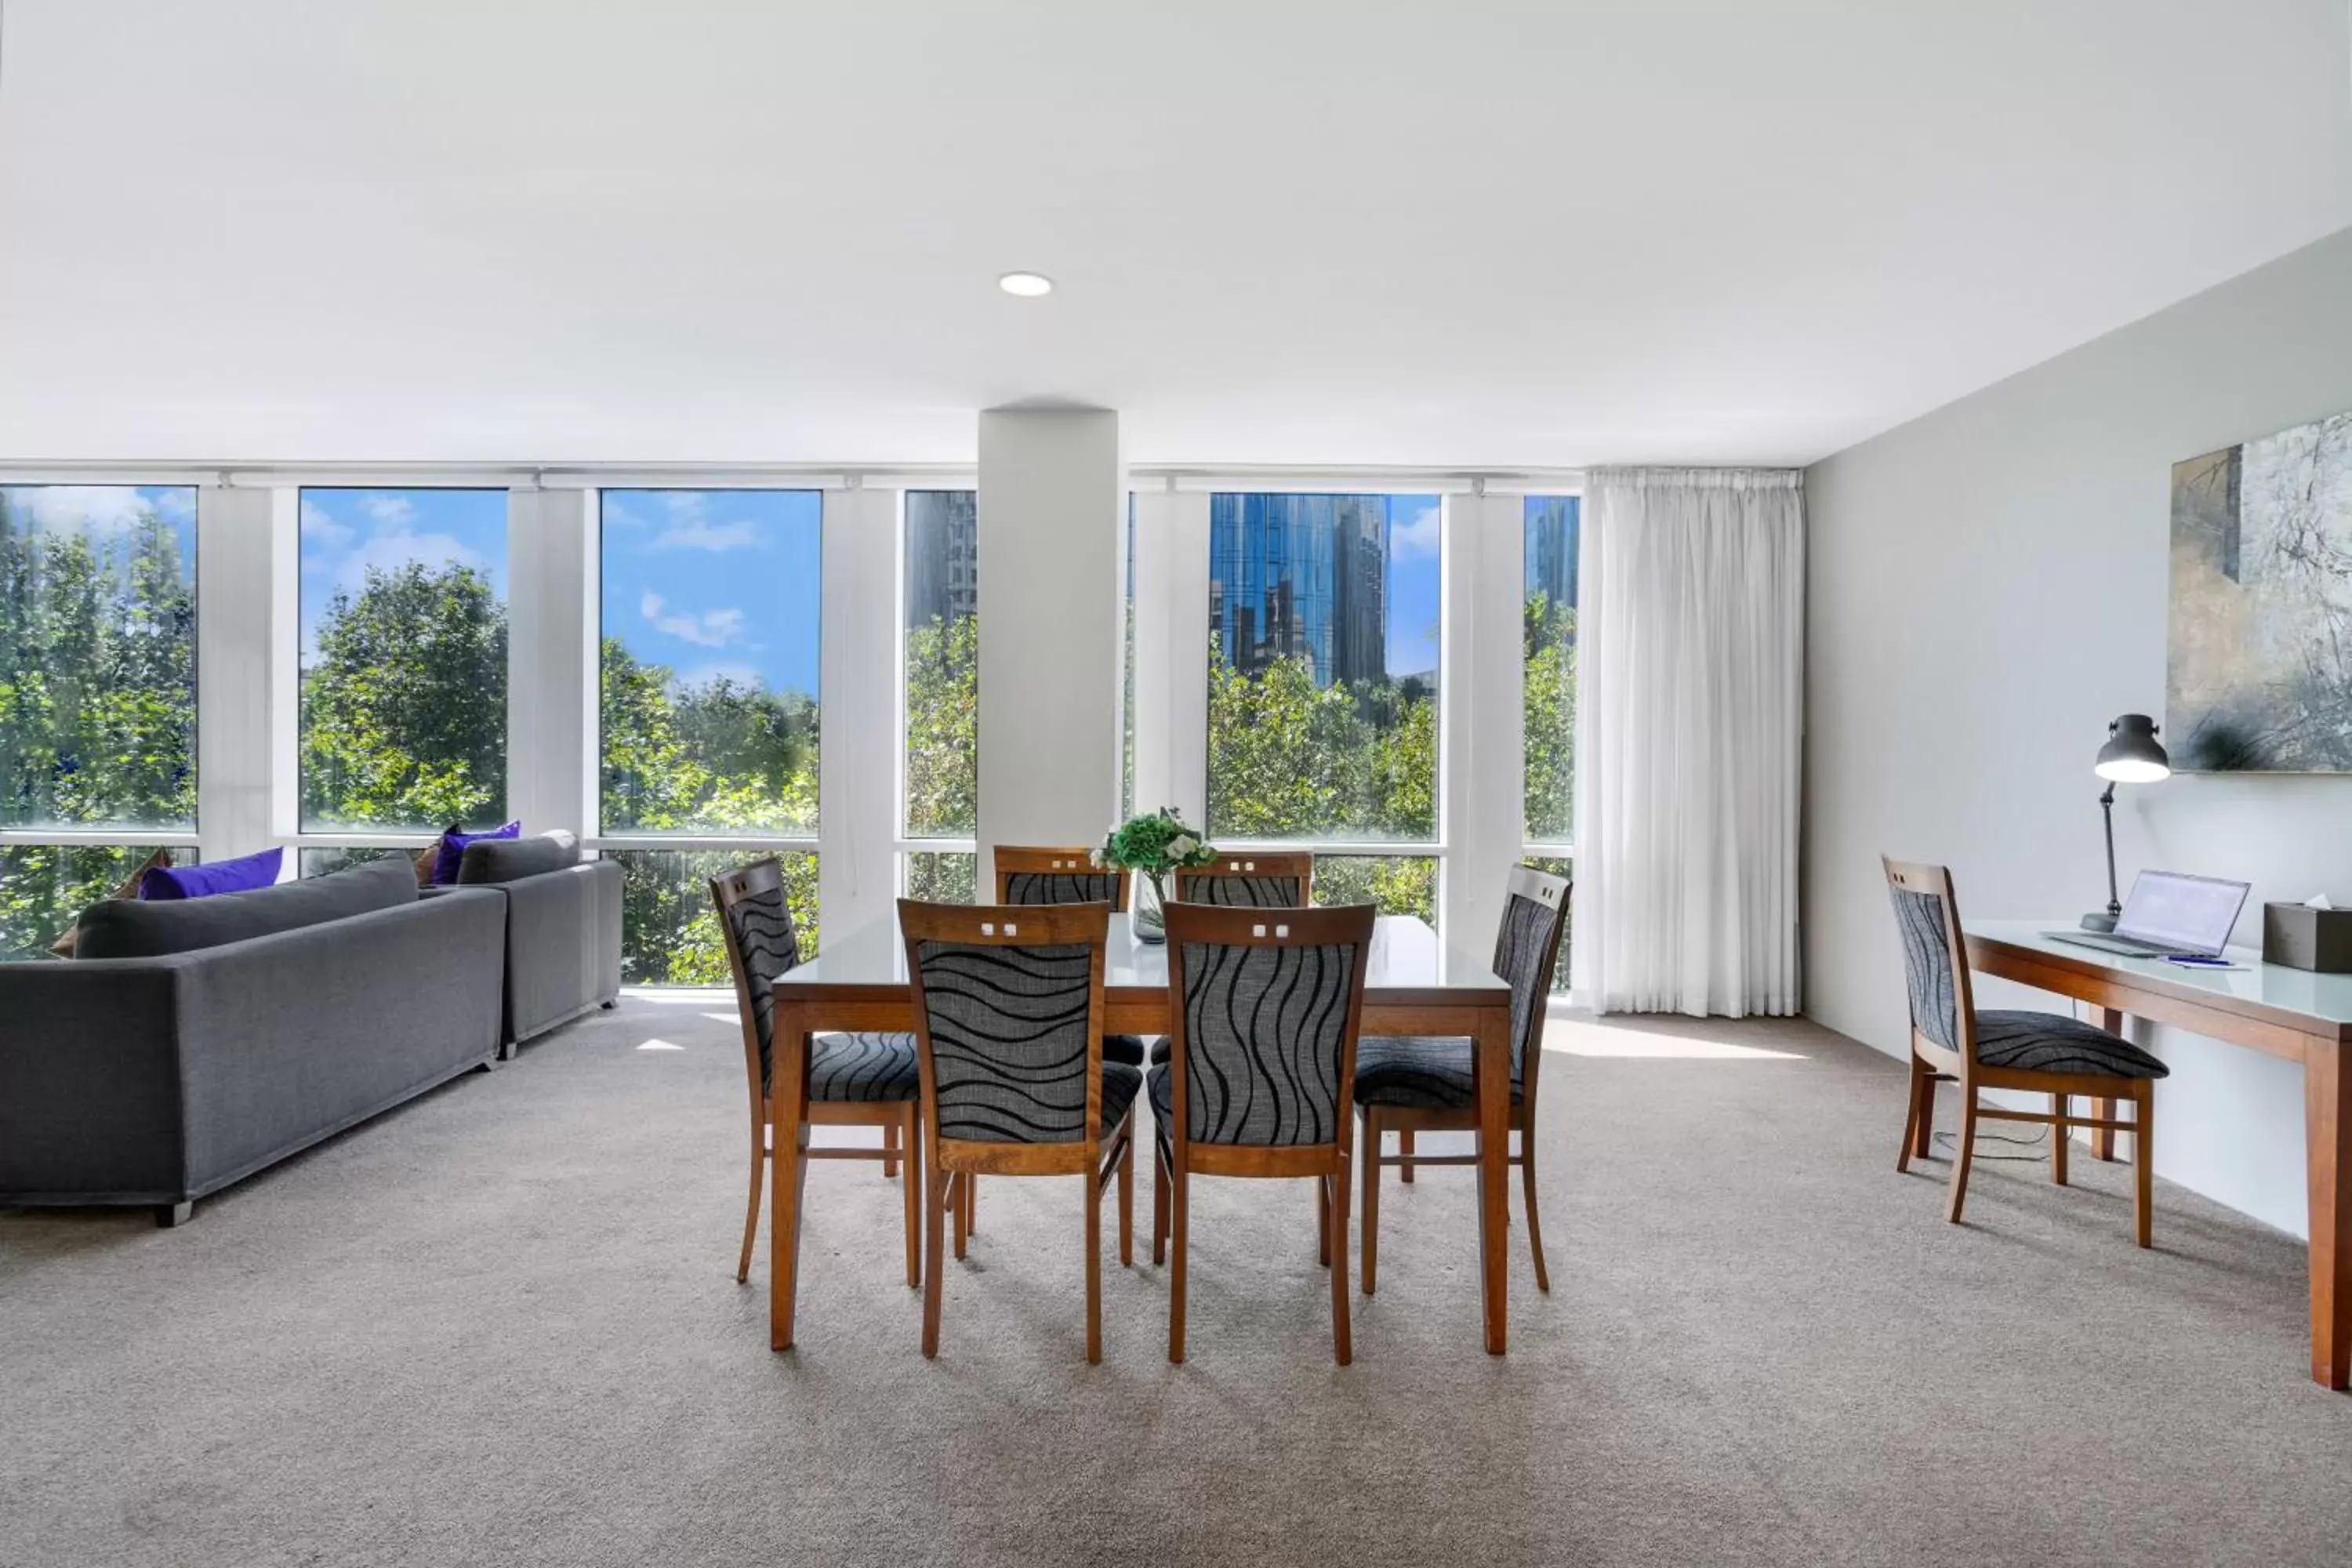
[(943, 555), (1304, 578)]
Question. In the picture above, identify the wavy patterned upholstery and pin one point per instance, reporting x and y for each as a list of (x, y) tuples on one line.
[(1245, 892), (2052, 1042), (865, 1067), (1522, 940), (1266, 1027), (1062, 887), (1927, 966), (1008, 1029), (1431, 1072)]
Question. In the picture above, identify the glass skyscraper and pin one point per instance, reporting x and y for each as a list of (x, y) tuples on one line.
[(1301, 576)]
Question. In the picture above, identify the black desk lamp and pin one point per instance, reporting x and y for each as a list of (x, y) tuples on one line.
[(2130, 756)]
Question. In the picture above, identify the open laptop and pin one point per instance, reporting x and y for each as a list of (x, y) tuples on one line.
[(2168, 913)]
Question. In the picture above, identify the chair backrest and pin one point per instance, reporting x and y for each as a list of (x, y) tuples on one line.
[(1008, 1019), (1280, 878), (1527, 952), (1029, 875), (1935, 956), (1264, 1010), (757, 925)]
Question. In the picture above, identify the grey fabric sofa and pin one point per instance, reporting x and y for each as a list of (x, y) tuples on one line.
[(562, 933), (188, 1063)]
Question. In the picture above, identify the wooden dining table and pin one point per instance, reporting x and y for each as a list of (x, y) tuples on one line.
[(1414, 985)]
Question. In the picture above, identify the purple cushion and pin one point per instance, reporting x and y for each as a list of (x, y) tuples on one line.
[(238, 876), (453, 851)]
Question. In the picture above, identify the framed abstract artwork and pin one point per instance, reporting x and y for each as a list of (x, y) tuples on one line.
[(2259, 674)]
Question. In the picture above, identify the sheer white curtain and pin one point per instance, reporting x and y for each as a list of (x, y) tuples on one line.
[(1690, 692)]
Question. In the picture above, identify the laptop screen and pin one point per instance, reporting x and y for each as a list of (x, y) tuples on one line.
[(2189, 914)]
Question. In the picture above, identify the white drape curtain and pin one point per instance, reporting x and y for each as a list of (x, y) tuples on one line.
[(1689, 728)]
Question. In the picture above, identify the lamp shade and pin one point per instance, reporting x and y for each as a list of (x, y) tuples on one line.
[(2132, 755)]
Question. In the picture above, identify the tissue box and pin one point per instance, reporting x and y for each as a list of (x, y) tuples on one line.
[(2304, 937)]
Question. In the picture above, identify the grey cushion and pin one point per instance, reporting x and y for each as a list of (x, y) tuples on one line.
[(126, 928), (511, 860), (1120, 1085), (1125, 1049), (2052, 1042), (1431, 1072), (1008, 1027), (864, 1067)]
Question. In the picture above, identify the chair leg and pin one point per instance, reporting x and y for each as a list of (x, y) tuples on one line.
[(1966, 1151), (1323, 1221), (1094, 1268), (1178, 1184), (971, 1203), (935, 1205), (1127, 1203), (1404, 1147), (1371, 1155), (890, 1151), (1535, 1227), (1343, 1346), (2142, 1161), (911, 1191), (1923, 1141), (751, 1207), (960, 1195), (1159, 1206), (2059, 1138), (1920, 1084)]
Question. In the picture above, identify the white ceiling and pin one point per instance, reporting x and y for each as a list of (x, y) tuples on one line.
[(1465, 234)]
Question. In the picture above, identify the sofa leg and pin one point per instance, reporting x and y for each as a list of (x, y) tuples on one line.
[(170, 1214), (609, 1003), (494, 1061)]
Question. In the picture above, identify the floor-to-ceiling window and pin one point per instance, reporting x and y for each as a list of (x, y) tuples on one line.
[(97, 695), (941, 695), (1548, 824), (1325, 618), (403, 620), (708, 672)]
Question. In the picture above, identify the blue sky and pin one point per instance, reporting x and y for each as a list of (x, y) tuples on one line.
[(106, 513), (1414, 529), (717, 583), (345, 532)]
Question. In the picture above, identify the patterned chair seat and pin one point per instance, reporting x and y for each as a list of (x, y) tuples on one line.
[(1160, 1080), (1127, 1049), (2053, 1043), (1425, 1071), (1121, 1083), (864, 1067)]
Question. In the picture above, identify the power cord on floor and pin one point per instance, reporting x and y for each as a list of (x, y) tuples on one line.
[(1944, 1140)]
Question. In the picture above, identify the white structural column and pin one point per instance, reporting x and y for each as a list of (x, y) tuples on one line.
[(235, 580), (1053, 510), (1485, 789), (856, 806), (552, 629)]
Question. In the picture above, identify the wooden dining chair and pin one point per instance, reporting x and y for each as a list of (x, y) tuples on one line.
[(1028, 874), (1420, 1084), (1008, 1028), (2039, 1053), (854, 1081), (1250, 880), (1263, 1009)]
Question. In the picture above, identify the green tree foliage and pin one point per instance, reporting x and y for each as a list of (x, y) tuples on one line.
[(1550, 698), (404, 705), (97, 706), (943, 728)]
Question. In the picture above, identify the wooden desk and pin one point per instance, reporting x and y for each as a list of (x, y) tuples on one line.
[(1412, 985), (2289, 1013)]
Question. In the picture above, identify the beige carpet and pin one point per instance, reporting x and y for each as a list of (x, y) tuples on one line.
[(500, 1326)]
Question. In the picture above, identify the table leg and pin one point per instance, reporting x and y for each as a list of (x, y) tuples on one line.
[(2103, 1138), (1491, 1070), (787, 1165), (2327, 1130)]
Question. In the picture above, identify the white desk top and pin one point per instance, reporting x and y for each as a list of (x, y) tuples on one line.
[(2324, 997)]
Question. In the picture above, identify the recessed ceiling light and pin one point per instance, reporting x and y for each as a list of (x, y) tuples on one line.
[(1028, 285)]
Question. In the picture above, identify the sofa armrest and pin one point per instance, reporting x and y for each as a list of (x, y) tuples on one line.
[(91, 1083)]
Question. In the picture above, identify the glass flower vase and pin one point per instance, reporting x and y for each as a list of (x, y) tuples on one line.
[(1147, 919)]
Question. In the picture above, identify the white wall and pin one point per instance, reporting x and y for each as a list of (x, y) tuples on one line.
[(1988, 589), (1053, 526)]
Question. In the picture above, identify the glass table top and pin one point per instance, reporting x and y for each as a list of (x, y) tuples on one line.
[(1406, 956), (2327, 997)]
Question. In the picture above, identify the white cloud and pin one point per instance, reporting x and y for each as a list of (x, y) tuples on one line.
[(389, 552), (712, 628), (706, 674), (392, 510), (103, 512), (1420, 535), (700, 534), (322, 531)]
